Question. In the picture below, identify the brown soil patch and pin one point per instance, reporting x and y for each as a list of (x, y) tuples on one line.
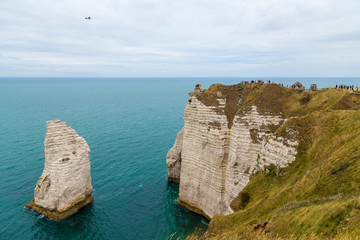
[(271, 99), (234, 95)]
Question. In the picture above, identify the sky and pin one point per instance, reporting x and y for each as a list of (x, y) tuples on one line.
[(180, 38)]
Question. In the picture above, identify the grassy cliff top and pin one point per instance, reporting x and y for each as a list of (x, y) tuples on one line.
[(318, 195), (275, 99)]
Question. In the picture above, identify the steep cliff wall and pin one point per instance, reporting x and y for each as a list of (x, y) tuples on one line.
[(65, 184), (224, 140), (286, 161), (317, 195)]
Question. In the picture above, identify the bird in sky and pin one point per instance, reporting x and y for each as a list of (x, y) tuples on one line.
[(87, 18)]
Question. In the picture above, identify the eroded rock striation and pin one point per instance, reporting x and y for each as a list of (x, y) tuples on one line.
[(65, 184), (230, 132)]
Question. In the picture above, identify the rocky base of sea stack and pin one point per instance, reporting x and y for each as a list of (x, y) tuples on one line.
[(192, 207), (174, 180), (56, 215)]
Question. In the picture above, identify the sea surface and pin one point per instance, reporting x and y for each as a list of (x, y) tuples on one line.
[(129, 124)]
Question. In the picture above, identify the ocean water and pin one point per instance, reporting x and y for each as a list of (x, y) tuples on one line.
[(129, 124)]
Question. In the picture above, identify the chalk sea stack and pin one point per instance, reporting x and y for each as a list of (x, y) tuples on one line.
[(65, 184)]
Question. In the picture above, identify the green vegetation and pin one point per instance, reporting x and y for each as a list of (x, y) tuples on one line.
[(46, 178), (318, 195), (274, 99)]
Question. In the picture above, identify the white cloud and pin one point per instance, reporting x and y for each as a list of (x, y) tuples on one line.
[(180, 38)]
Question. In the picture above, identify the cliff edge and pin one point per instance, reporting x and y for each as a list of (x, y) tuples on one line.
[(264, 161), (65, 184)]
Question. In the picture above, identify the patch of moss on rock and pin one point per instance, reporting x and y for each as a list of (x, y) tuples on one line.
[(45, 178)]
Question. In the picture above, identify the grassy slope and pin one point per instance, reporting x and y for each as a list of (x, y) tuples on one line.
[(318, 194)]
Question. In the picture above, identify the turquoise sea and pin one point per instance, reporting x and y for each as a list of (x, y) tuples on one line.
[(129, 124)]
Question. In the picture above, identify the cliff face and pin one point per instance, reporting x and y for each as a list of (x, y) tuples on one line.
[(65, 184), (224, 141), (285, 160)]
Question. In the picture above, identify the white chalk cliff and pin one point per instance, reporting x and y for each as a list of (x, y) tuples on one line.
[(213, 159), (65, 184)]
